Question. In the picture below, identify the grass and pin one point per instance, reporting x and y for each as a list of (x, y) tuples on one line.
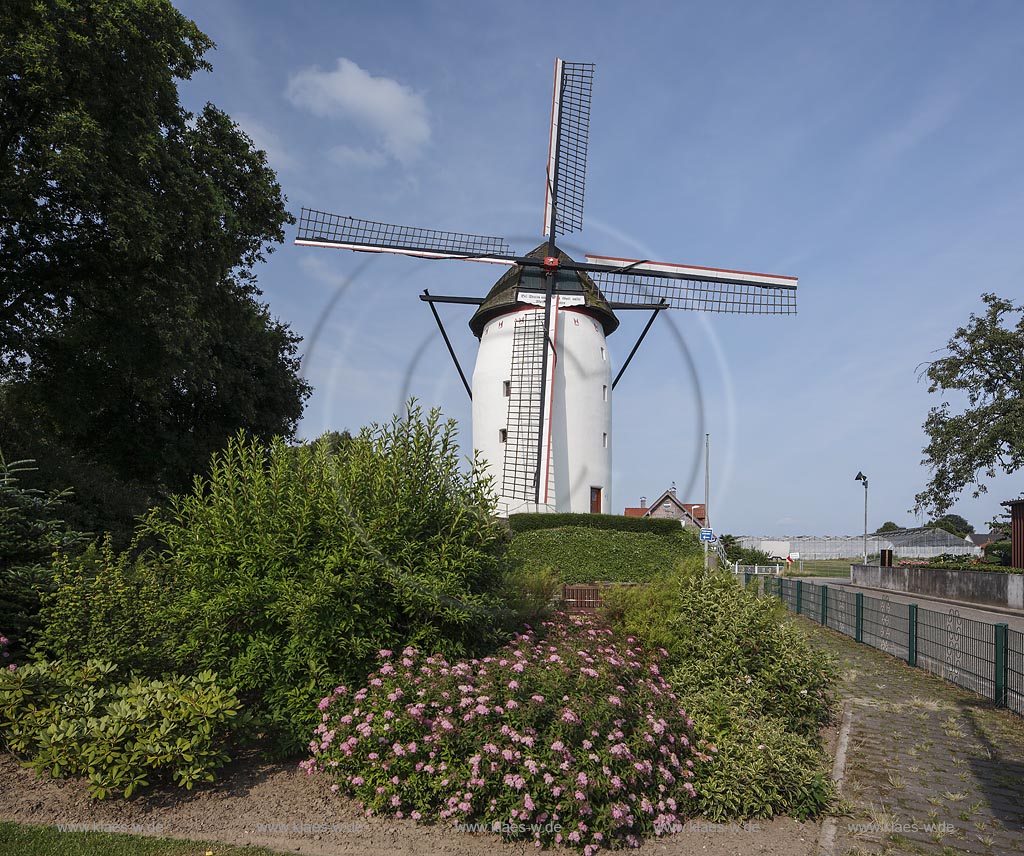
[(579, 554), (822, 568), (19, 840)]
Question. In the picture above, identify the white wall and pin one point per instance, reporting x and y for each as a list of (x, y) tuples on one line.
[(581, 438)]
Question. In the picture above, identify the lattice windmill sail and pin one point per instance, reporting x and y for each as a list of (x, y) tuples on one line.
[(542, 385)]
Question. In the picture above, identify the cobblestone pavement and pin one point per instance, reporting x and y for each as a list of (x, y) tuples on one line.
[(930, 768)]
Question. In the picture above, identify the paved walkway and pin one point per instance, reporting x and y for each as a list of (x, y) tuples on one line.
[(929, 768)]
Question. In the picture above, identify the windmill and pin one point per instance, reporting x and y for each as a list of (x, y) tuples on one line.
[(542, 383)]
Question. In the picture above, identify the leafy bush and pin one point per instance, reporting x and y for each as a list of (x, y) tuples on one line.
[(989, 563), (763, 770), (109, 606), (531, 593), (30, 533), (998, 554), (647, 525), (78, 721), (291, 567), (579, 555), (747, 556), (573, 737), (739, 670)]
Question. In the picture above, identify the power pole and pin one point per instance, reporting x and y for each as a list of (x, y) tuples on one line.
[(707, 492)]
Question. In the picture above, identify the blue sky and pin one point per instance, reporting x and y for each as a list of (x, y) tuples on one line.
[(871, 148)]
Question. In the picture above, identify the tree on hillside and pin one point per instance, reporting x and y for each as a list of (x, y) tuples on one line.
[(985, 359), (954, 524), (132, 339), (888, 526)]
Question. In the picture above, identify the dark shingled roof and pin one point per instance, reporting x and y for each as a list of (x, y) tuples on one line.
[(502, 297)]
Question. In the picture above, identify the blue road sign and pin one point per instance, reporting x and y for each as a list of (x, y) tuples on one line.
[(707, 534)]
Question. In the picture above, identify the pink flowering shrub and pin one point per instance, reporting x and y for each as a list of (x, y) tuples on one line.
[(568, 736)]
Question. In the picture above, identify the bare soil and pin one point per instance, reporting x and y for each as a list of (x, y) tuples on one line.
[(280, 807)]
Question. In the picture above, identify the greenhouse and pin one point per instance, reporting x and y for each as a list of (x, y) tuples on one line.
[(920, 543)]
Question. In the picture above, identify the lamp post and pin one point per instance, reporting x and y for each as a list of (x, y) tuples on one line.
[(861, 477)]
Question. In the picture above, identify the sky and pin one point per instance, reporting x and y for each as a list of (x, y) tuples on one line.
[(873, 149)]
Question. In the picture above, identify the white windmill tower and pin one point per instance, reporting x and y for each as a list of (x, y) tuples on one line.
[(542, 386)]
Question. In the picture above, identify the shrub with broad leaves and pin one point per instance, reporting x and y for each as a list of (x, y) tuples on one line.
[(82, 720), (570, 736)]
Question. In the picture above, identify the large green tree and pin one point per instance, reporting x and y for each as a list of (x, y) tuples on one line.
[(132, 338), (985, 360), (954, 524)]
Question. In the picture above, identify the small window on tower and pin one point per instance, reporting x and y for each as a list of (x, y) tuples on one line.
[(603, 357), (502, 435), (604, 391), (604, 439), (506, 387)]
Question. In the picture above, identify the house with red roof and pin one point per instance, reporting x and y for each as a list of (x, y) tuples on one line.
[(669, 506)]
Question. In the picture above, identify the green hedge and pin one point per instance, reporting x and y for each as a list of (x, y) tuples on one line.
[(579, 554), (653, 526)]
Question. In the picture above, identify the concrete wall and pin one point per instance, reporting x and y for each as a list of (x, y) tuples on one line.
[(995, 589)]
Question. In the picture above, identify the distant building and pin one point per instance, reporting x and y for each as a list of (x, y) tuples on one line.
[(669, 506), (921, 543), (983, 539), (1016, 507)]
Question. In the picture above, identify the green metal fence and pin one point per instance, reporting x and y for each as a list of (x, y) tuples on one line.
[(985, 658), (1015, 670)]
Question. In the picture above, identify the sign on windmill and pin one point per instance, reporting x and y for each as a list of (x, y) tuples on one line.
[(542, 385)]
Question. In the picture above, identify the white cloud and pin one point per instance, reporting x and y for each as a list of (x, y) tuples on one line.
[(389, 110), (346, 156)]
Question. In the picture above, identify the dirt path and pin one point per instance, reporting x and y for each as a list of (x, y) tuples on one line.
[(919, 752), (281, 808)]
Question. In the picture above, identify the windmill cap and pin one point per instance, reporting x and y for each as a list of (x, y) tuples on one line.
[(503, 297)]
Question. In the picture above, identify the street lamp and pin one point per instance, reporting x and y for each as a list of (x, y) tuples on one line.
[(861, 477)]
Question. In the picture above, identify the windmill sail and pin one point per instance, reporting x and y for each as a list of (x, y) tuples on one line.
[(567, 146), (321, 229), (632, 281)]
